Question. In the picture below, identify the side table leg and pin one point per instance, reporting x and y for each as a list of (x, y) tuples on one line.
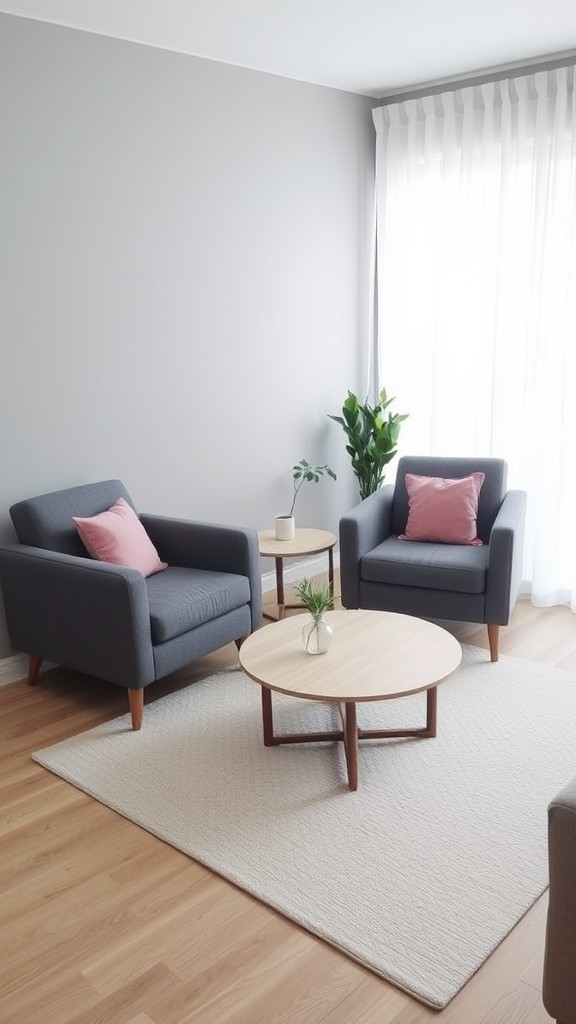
[(331, 573), (351, 742), (280, 586)]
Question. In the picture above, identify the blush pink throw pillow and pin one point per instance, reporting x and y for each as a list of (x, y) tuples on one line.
[(443, 510), (118, 536)]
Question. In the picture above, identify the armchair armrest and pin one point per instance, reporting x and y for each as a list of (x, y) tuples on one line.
[(197, 545), (362, 529), (88, 615), (505, 558)]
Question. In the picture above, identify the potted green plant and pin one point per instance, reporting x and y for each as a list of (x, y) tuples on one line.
[(316, 632), (303, 472), (372, 438)]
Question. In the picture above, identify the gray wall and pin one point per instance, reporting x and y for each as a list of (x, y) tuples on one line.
[(183, 277)]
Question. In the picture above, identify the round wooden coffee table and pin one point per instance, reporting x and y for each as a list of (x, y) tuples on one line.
[(373, 656), (307, 541)]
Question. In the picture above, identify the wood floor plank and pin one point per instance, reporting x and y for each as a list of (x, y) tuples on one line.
[(323, 984), (519, 1004), (255, 973), (115, 1008), (101, 921), (369, 1002), (177, 932), (52, 1003), (534, 970)]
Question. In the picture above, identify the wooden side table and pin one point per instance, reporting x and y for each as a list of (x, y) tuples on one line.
[(305, 542)]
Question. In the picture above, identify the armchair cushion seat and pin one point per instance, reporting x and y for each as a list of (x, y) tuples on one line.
[(453, 567), (181, 599)]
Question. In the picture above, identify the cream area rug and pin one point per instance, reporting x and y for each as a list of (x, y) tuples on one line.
[(420, 873)]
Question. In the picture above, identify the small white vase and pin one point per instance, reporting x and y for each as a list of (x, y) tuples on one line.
[(316, 635), (285, 527)]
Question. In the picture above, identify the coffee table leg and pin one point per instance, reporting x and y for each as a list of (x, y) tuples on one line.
[(350, 724), (267, 720), (431, 704)]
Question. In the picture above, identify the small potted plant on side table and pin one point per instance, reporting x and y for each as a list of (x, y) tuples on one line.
[(302, 473), (316, 632)]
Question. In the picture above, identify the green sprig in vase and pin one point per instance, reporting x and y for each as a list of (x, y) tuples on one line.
[(316, 631)]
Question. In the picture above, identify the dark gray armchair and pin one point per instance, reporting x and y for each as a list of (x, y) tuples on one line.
[(110, 621), (436, 581)]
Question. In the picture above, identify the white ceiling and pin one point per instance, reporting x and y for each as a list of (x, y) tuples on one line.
[(365, 46)]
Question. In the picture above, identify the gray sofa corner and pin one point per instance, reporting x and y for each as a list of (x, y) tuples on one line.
[(559, 981)]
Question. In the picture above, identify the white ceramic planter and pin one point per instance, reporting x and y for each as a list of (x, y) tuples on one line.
[(285, 527)]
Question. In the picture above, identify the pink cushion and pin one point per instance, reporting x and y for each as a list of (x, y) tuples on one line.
[(118, 536), (443, 510)]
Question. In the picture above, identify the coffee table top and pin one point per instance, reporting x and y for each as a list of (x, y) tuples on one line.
[(373, 656), (306, 542)]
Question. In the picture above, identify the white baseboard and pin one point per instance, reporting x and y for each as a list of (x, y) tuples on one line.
[(15, 667), (296, 570)]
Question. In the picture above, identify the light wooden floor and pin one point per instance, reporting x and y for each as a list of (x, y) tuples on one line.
[(102, 922)]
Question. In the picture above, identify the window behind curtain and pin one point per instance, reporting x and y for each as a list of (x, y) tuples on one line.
[(476, 253)]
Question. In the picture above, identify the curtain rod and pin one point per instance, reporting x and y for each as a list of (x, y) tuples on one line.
[(451, 84)]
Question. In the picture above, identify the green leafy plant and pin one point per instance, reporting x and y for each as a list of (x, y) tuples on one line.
[(372, 438), (316, 598), (303, 473)]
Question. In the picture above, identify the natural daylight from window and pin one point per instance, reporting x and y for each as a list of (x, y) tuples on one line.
[(476, 262)]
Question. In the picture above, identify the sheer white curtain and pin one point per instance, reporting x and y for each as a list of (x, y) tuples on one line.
[(476, 256)]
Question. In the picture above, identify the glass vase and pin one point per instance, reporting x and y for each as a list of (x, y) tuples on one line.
[(316, 635)]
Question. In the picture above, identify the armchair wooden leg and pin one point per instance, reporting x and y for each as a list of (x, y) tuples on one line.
[(493, 640), (136, 702), (34, 663)]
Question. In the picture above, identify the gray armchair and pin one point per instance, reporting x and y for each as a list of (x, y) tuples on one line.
[(110, 621), (440, 581)]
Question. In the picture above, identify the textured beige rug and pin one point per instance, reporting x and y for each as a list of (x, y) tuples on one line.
[(421, 873)]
